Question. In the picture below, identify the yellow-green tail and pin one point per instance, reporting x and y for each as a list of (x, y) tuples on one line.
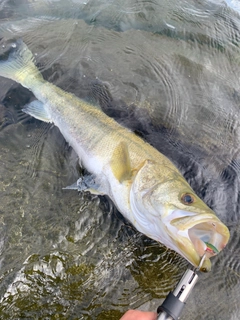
[(20, 65)]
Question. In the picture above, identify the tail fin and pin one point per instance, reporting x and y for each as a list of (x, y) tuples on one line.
[(20, 66)]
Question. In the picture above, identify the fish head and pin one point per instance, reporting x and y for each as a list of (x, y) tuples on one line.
[(166, 209)]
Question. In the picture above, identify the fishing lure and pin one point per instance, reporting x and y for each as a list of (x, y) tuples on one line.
[(211, 248)]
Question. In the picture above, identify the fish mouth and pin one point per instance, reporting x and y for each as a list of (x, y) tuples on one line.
[(196, 235)]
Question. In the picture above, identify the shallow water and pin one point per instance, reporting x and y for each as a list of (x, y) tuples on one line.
[(171, 73)]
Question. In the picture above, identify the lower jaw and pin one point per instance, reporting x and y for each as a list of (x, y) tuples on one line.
[(193, 257), (206, 266)]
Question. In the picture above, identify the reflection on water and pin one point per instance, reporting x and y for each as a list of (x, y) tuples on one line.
[(170, 72)]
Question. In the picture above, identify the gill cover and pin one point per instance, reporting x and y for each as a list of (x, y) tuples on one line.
[(148, 217)]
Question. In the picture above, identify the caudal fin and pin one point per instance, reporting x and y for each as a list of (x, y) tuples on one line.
[(20, 66)]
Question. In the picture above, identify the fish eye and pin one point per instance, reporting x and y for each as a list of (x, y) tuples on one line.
[(187, 198)]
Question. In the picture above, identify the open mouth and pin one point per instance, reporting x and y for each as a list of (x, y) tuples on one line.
[(208, 235), (206, 239)]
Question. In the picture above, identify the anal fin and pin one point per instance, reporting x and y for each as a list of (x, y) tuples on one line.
[(36, 109)]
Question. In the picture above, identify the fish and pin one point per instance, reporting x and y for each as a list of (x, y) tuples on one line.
[(145, 186)]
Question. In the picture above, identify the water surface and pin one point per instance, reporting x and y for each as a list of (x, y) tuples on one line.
[(170, 72)]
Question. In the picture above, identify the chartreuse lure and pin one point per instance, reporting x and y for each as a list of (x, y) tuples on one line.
[(211, 248)]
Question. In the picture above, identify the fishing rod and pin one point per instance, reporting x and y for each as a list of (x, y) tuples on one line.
[(172, 306)]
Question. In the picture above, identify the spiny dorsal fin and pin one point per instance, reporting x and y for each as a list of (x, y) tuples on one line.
[(120, 162)]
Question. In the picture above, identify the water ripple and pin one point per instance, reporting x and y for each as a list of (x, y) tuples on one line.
[(170, 72)]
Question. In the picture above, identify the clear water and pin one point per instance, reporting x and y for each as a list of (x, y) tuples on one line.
[(170, 72)]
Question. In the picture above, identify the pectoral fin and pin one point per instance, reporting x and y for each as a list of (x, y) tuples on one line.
[(120, 163), (36, 109)]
